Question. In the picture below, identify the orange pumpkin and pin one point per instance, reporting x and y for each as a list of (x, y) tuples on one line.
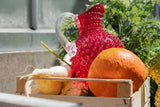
[(115, 63)]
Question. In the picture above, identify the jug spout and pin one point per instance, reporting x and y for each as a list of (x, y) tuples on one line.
[(68, 46)]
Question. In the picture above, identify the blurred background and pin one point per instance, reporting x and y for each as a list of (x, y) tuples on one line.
[(23, 25)]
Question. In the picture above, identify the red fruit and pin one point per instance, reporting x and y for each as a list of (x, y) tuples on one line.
[(92, 40), (74, 88)]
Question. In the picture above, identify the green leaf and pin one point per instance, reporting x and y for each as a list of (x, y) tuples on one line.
[(134, 10), (136, 20)]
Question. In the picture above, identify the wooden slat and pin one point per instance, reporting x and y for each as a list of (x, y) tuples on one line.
[(124, 88), (89, 101), (20, 84), (88, 79)]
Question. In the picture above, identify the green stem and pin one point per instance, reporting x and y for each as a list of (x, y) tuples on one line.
[(54, 53)]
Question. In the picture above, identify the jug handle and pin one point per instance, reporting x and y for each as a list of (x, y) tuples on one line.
[(69, 47), (61, 18)]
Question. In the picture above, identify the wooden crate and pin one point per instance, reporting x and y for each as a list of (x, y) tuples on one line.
[(125, 97)]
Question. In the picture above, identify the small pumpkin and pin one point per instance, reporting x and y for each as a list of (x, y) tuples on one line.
[(115, 63)]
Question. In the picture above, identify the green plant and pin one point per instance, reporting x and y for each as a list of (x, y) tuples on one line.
[(134, 23)]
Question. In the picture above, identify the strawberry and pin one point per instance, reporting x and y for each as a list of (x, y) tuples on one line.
[(92, 40)]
